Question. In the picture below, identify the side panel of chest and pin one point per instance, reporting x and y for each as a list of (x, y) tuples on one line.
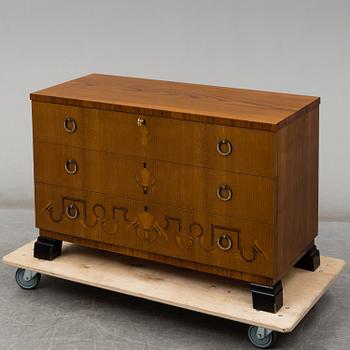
[(297, 189)]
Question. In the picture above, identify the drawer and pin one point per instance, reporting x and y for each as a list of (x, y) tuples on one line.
[(214, 240), (195, 188), (195, 143)]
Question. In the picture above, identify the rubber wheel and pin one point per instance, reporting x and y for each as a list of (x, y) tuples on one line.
[(31, 284), (264, 343)]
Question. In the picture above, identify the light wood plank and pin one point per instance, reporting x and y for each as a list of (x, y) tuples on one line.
[(178, 287)]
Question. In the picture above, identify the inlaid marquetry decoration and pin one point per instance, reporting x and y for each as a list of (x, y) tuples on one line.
[(196, 234), (148, 228), (144, 179), (143, 224), (143, 131), (222, 238), (229, 240), (75, 209)]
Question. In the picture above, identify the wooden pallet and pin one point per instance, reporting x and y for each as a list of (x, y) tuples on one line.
[(182, 288)]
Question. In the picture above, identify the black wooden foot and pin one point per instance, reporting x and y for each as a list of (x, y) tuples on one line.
[(47, 248), (310, 261), (267, 298)]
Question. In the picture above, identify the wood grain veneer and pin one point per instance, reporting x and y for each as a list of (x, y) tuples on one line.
[(178, 141), (148, 170), (183, 186), (297, 189), (218, 105), (162, 230)]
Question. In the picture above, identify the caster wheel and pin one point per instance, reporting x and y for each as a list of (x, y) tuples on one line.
[(264, 342), (25, 282)]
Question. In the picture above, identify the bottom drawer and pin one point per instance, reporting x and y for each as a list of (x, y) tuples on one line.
[(218, 241)]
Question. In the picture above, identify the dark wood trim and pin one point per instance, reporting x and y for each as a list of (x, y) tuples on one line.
[(267, 298)]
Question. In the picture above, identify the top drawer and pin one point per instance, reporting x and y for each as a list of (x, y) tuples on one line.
[(214, 146)]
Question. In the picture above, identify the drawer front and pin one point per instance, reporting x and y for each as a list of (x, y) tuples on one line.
[(194, 143), (196, 188), (214, 240)]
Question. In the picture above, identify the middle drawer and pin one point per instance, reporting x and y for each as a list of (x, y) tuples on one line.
[(196, 188)]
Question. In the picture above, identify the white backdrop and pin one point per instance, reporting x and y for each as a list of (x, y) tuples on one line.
[(300, 47)]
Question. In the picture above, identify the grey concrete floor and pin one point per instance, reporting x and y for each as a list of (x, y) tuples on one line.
[(65, 315)]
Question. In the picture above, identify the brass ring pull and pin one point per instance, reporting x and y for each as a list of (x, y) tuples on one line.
[(219, 147), (220, 240), (71, 166), (221, 193), (69, 124), (140, 121), (72, 211)]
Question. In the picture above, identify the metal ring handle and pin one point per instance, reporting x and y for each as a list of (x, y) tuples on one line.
[(140, 121), (71, 166), (72, 211), (69, 121), (220, 191), (224, 142), (226, 238)]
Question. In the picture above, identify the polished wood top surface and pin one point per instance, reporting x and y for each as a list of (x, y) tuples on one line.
[(219, 105)]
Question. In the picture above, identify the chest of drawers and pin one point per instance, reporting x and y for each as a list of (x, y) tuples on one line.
[(218, 180)]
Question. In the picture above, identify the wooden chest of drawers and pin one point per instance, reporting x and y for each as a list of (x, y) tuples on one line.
[(213, 179)]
